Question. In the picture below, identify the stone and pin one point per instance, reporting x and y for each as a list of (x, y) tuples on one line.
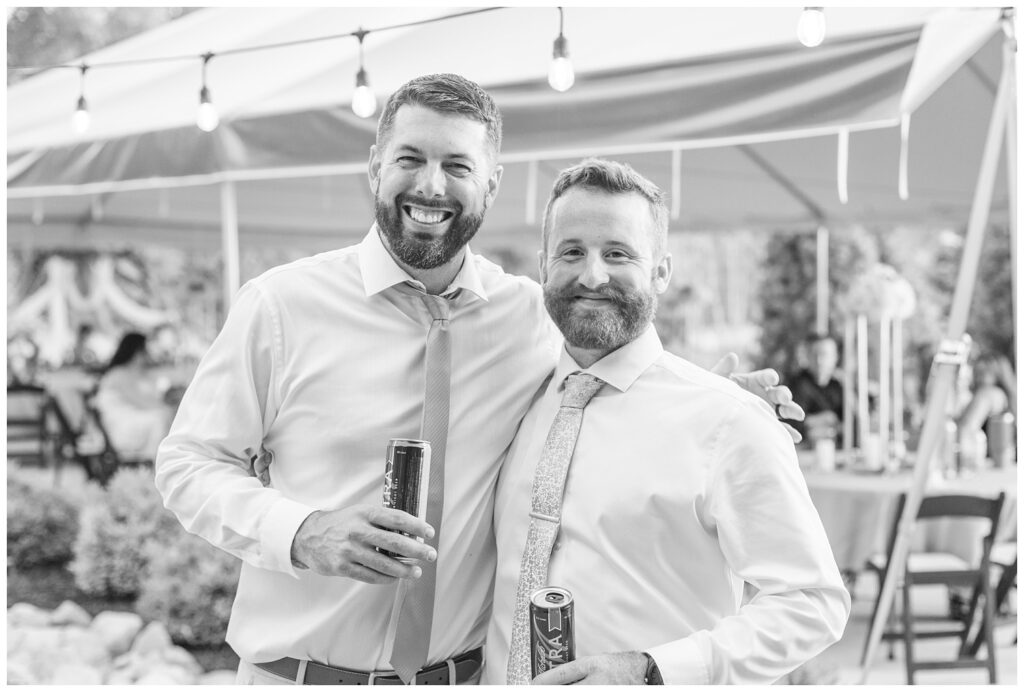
[(219, 677), (39, 640), (116, 630), (153, 638), (18, 673), (121, 677), (167, 675), (27, 615), (76, 674), (70, 613), (181, 658), (80, 645)]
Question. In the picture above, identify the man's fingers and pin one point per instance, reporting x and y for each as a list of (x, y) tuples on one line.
[(791, 411), (402, 545), (766, 377), (725, 367), (398, 520), (565, 674), (793, 432)]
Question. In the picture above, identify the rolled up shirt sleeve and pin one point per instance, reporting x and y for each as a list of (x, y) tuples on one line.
[(202, 466), (757, 503)]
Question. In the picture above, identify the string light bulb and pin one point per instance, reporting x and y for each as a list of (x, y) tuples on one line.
[(560, 73), (364, 101), (207, 118), (81, 118), (811, 27)]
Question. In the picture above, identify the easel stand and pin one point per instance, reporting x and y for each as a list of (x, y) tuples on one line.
[(950, 354)]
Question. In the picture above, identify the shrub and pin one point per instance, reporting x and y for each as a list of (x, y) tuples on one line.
[(190, 587), (41, 525), (111, 549)]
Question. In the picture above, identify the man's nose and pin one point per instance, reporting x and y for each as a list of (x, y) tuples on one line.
[(595, 273), (431, 181)]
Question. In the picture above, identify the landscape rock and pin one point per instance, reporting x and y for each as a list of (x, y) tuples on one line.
[(154, 637), (180, 657), (27, 615), (76, 674), (116, 630), (167, 675), (80, 645), (70, 613), (19, 674), (218, 677)]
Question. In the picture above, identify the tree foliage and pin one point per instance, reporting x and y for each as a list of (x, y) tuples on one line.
[(42, 36), (788, 294)]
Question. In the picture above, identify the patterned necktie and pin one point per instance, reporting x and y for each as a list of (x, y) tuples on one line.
[(415, 612), (545, 515)]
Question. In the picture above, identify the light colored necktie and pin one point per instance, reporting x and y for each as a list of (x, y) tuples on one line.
[(545, 514), (415, 612)]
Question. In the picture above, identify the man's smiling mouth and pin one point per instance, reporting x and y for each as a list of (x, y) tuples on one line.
[(426, 216)]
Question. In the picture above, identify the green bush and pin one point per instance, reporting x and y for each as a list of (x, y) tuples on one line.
[(41, 525), (190, 587), (116, 532)]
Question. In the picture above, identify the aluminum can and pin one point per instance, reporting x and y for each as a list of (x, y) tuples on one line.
[(552, 629), (407, 481)]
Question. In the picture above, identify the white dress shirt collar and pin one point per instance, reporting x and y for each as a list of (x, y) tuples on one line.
[(620, 368), (380, 271)]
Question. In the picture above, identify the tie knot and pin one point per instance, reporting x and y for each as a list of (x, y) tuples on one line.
[(580, 388), (440, 308)]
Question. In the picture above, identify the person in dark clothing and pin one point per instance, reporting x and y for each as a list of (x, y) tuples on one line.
[(820, 393)]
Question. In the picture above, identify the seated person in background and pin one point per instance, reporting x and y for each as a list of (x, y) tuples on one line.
[(994, 384), (130, 403), (818, 391)]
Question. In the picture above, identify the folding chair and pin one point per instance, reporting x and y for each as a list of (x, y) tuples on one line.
[(29, 437), (1004, 560), (930, 568)]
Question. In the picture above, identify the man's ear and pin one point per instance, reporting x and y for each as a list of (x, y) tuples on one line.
[(373, 169), (542, 266), (492, 186), (662, 274)]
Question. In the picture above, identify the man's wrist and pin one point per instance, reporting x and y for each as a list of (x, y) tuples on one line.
[(652, 676)]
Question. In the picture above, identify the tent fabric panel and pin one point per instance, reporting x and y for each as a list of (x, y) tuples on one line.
[(745, 94)]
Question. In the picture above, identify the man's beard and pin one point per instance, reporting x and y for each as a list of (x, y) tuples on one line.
[(416, 252), (597, 329)]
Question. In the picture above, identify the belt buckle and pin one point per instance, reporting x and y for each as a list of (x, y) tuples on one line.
[(375, 678)]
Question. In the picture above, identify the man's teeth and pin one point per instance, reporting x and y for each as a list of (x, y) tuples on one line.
[(422, 216)]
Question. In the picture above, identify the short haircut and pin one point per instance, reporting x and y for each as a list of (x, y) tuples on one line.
[(444, 93), (612, 177)]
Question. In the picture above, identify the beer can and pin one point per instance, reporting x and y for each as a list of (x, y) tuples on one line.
[(406, 481), (552, 629)]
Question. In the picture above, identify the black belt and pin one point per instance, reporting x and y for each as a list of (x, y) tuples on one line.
[(466, 666)]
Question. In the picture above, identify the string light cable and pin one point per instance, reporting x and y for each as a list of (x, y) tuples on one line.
[(207, 112)]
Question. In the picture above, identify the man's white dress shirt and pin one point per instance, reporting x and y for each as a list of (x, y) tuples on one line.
[(321, 362), (682, 487)]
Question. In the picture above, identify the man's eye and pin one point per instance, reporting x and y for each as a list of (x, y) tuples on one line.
[(572, 252), (459, 169), (617, 254), (408, 160)]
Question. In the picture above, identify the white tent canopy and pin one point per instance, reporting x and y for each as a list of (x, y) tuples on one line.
[(722, 107)]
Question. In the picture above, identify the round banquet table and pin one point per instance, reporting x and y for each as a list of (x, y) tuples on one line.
[(857, 511)]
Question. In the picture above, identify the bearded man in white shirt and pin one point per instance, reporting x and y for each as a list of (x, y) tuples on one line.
[(277, 452), (680, 488)]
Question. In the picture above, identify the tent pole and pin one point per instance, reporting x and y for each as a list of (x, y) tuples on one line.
[(229, 241), (1009, 65), (821, 275), (952, 352)]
